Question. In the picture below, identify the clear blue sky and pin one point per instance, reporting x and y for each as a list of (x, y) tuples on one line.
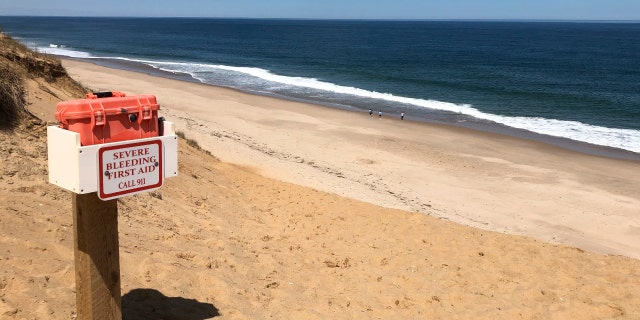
[(335, 9)]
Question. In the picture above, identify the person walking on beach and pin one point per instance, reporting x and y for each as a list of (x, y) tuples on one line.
[(379, 114), (370, 113), (401, 115)]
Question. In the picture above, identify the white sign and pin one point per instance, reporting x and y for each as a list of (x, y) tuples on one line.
[(129, 168)]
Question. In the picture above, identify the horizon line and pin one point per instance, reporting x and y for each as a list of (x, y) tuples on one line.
[(343, 19)]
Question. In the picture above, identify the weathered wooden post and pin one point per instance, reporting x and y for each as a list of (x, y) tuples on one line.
[(107, 146), (97, 258)]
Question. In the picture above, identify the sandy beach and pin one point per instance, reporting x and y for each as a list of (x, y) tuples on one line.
[(473, 178), (308, 212)]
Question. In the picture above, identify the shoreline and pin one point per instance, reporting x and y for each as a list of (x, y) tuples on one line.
[(479, 179), (484, 126)]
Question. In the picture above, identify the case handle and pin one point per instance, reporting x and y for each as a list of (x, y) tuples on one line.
[(105, 94)]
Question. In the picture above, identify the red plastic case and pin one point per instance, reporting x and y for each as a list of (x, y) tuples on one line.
[(110, 117)]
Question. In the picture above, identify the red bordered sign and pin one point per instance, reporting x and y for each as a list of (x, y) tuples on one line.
[(129, 168)]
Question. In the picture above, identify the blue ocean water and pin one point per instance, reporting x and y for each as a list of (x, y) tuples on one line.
[(569, 80)]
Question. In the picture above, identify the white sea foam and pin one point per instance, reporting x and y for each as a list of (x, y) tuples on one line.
[(626, 139), (61, 50)]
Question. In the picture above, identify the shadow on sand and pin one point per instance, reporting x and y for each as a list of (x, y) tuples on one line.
[(150, 304)]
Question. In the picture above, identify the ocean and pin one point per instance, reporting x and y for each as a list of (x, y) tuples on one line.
[(572, 84)]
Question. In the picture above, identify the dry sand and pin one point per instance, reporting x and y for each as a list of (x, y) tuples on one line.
[(315, 213)]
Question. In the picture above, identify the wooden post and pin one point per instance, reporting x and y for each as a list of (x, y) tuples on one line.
[(97, 258)]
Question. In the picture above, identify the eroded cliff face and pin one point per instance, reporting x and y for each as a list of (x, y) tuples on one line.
[(34, 64), (26, 77)]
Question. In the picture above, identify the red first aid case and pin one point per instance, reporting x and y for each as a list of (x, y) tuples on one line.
[(110, 117)]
